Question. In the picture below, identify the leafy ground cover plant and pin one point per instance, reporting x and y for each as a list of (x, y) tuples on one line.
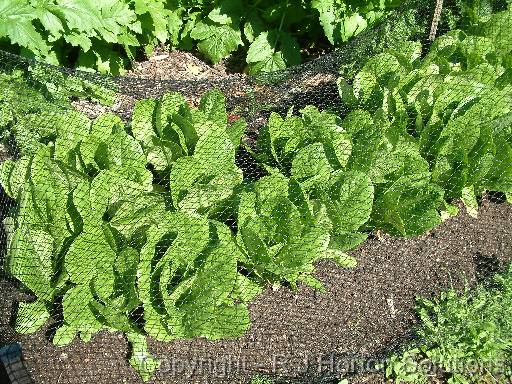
[(464, 337), (261, 380), (105, 35), (264, 380), (50, 29)]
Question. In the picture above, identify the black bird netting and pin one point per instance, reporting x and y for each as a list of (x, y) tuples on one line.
[(281, 224)]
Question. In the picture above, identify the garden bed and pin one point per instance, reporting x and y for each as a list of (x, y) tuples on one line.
[(363, 314), (165, 227)]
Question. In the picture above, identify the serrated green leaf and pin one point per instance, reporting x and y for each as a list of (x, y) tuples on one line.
[(260, 49), (16, 18), (216, 42), (328, 17), (116, 16), (254, 26), (79, 40), (157, 11), (263, 54), (290, 49), (227, 12), (352, 25), (43, 10), (273, 63), (83, 16)]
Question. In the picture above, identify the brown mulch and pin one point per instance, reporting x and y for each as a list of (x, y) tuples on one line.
[(174, 70), (179, 65), (165, 70), (306, 336)]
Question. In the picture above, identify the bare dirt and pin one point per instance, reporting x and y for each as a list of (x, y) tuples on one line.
[(304, 336)]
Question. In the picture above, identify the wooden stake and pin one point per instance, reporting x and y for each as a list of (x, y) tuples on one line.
[(436, 19)]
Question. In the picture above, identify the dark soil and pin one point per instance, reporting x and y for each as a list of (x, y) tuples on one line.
[(305, 336)]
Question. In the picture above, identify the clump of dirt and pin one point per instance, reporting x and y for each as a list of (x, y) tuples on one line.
[(305, 336)]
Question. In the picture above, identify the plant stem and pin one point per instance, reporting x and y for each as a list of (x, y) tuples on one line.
[(280, 25)]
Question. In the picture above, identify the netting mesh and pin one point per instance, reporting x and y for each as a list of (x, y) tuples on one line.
[(186, 231)]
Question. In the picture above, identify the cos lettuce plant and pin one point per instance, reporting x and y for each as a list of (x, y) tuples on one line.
[(193, 148), (365, 170), (459, 98), (282, 232), (60, 241), (124, 225), (314, 150)]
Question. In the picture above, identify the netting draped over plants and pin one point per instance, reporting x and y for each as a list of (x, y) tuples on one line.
[(162, 209)]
